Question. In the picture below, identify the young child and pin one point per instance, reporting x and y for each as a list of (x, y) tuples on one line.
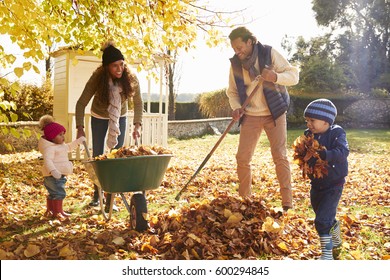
[(56, 164), (325, 192)]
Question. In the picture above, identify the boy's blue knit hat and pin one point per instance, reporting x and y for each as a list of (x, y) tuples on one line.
[(321, 109)]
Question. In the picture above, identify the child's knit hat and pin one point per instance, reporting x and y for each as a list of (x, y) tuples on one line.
[(111, 54), (321, 109), (50, 128)]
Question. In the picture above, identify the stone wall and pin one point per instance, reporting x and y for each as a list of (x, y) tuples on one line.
[(368, 113), (194, 128)]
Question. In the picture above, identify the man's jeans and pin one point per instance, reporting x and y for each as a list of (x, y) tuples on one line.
[(250, 132), (324, 201)]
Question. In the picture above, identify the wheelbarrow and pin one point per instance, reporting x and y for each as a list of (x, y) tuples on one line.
[(131, 174)]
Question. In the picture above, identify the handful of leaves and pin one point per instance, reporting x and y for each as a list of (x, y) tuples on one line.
[(132, 151), (306, 148)]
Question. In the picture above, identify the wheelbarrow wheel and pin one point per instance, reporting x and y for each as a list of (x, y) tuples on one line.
[(138, 209)]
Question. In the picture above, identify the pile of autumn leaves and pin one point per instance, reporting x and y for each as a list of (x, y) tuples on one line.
[(226, 228)]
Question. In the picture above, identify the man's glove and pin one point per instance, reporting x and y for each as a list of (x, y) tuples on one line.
[(56, 174)]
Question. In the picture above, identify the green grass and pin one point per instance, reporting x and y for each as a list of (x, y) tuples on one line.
[(370, 141)]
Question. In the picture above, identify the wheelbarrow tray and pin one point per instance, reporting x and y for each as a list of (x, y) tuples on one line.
[(131, 174)]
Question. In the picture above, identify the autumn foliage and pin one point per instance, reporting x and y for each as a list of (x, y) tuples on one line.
[(306, 148), (133, 151)]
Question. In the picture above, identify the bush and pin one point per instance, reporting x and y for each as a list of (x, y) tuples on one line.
[(380, 93), (215, 104), (31, 101)]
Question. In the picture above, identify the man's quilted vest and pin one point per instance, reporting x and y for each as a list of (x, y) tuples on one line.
[(276, 96)]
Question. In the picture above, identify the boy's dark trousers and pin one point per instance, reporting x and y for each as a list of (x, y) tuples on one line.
[(324, 201)]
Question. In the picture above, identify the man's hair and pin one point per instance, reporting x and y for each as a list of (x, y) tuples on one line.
[(243, 33)]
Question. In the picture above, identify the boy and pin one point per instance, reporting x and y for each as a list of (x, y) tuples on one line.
[(325, 192)]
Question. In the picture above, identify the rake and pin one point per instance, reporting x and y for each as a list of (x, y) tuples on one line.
[(257, 82)]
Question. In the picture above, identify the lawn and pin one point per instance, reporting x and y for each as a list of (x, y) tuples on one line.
[(210, 221)]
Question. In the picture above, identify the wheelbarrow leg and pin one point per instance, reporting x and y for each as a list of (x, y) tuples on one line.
[(106, 217), (125, 202)]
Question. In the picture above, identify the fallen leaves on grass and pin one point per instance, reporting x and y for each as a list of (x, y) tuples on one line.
[(210, 222)]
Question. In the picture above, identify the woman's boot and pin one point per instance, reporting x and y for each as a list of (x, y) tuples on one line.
[(95, 199), (336, 240), (326, 247)]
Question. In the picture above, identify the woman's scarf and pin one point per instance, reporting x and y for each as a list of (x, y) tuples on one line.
[(114, 112), (249, 63)]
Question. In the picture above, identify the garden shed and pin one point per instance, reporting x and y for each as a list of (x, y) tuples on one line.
[(72, 70)]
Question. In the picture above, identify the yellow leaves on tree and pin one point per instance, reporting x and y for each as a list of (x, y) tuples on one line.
[(141, 31), (306, 148)]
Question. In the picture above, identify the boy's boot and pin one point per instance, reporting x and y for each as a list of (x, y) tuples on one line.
[(49, 208), (336, 239), (108, 202), (95, 199), (326, 247), (58, 208)]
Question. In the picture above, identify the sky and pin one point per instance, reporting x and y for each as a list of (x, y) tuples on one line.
[(206, 69)]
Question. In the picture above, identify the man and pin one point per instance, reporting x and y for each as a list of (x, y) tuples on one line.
[(267, 109)]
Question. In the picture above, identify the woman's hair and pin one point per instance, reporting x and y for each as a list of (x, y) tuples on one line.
[(103, 77), (243, 33)]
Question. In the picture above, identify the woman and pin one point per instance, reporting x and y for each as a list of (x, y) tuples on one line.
[(112, 87)]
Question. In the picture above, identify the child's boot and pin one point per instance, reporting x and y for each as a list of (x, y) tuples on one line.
[(49, 208), (326, 247), (336, 240), (58, 211)]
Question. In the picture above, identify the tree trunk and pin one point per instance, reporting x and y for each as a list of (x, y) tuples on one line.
[(172, 96)]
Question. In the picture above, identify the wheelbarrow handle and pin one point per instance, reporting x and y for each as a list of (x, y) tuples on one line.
[(86, 149)]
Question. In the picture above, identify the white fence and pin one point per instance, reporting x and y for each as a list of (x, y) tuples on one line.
[(154, 131)]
